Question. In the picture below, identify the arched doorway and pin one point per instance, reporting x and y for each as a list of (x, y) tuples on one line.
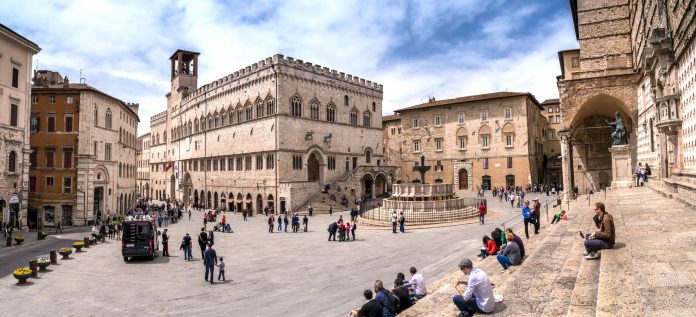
[(271, 203), (239, 201), (380, 185), (208, 201), (195, 197), (312, 168), (248, 203), (367, 183), (98, 201), (230, 202), (259, 204), (215, 200), (463, 179)]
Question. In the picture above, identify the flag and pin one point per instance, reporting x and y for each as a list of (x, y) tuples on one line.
[(169, 166)]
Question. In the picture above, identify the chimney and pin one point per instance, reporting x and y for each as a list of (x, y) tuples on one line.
[(66, 82)]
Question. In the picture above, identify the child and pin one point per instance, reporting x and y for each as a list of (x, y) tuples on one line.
[(347, 228), (489, 248), (221, 265), (558, 217)]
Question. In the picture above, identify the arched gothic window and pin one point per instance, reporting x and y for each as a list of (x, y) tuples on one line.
[(224, 118), (96, 117), (164, 137), (259, 108), (314, 110), (354, 117), (331, 113), (368, 156), (231, 115), (296, 106), (107, 120), (196, 125), (270, 106), (346, 100), (249, 113), (367, 119)]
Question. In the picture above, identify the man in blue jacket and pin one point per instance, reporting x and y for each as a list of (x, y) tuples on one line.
[(210, 260)]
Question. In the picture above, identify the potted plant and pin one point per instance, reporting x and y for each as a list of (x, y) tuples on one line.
[(43, 262), (19, 239), (78, 246), (22, 274), (65, 252)]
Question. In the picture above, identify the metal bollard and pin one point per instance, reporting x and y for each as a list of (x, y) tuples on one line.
[(9, 241), (34, 267), (53, 255), (86, 239)]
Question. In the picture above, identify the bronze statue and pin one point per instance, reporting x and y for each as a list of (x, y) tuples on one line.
[(618, 136)]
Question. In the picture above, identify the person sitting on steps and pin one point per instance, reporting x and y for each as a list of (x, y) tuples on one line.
[(602, 239), (478, 296)]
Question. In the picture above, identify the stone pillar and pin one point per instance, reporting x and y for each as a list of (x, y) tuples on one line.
[(567, 162), (621, 166), (374, 182)]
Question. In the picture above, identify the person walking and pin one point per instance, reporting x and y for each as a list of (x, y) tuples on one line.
[(310, 209), (186, 246), (211, 237), (202, 241), (528, 218), (165, 243), (332, 230), (330, 210), (536, 214), (210, 261), (189, 212), (59, 227), (286, 221), (639, 174), (482, 213), (393, 220), (280, 222), (402, 220), (352, 229), (244, 214), (305, 222), (271, 221)]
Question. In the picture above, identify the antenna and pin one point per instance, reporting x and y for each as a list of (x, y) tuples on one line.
[(83, 80)]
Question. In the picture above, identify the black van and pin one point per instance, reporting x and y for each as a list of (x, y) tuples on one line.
[(140, 239)]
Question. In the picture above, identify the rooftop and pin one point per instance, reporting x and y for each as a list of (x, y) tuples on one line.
[(393, 117), (72, 86), (553, 101), (488, 96)]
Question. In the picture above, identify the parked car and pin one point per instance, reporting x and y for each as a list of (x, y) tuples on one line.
[(140, 239)]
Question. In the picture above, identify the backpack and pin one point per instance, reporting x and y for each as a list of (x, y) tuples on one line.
[(394, 302)]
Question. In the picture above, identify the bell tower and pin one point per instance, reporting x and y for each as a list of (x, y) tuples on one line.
[(184, 75)]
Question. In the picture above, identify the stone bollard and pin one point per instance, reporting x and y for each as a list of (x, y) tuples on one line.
[(53, 255), (86, 242), (34, 267), (9, 241)]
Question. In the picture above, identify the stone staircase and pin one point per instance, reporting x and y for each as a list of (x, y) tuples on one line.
[(651, 271), (321, 201), (553, 279)]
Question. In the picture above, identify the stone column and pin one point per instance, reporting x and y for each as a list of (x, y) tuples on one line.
[(567, 162), (373, 188)]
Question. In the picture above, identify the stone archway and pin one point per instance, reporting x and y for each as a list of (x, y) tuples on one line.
[(380, 184), (468, 168), (367, 182), (187, 188), (259, 204)]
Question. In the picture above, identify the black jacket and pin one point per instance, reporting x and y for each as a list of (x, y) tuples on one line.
[(371, 308), (202, 238)]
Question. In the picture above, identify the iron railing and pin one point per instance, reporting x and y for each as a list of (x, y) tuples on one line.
[(426, 215)]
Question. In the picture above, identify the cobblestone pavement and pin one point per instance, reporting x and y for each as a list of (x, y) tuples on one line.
[(279, 274)]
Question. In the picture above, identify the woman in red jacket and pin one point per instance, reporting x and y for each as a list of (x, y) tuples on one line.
[(489, 248)]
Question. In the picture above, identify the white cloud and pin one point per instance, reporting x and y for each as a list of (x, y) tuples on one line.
[(417, 49)]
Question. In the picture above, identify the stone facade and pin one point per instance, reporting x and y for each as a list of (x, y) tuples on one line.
[(636, 59), (143, 166), (16, 53), (495, 139), (552, 149), (83, 152), (268, 135)]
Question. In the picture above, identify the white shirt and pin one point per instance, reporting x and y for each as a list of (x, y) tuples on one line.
[(393, 217), (480, 287), (418, 284)]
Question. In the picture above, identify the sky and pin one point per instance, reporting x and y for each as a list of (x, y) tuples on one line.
[(416, 49)]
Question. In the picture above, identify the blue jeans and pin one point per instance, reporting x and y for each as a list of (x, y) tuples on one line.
[(221, 274), (592, 245), (468, 306), (638, 177), (481, 219), (504, 261), (401, 227), (187, 253), (484, 254), (393, 227), (211, 269)]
